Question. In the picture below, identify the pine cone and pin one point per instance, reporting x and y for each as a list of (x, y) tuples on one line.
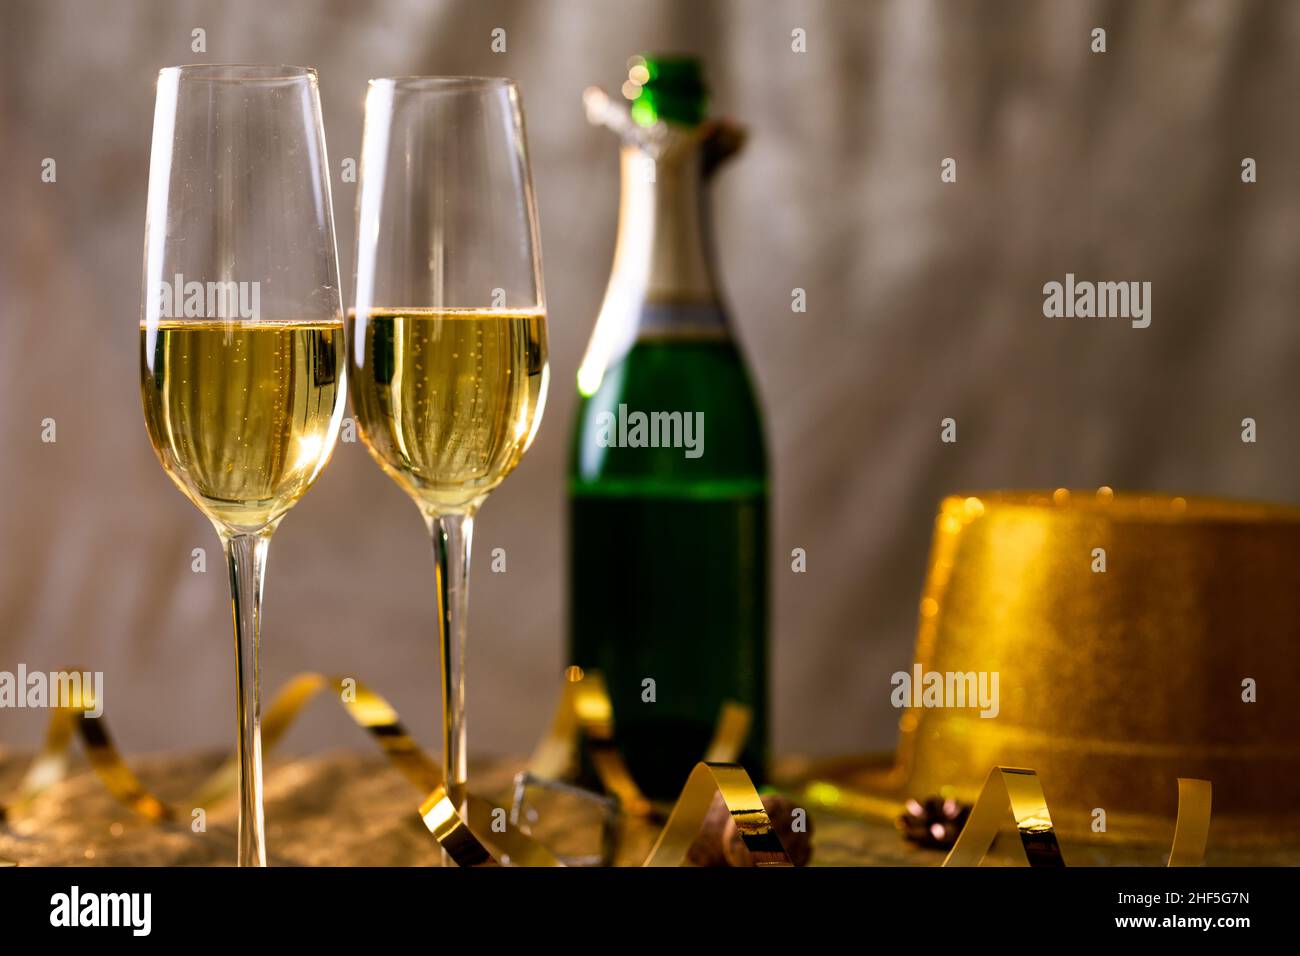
[(934, 823)]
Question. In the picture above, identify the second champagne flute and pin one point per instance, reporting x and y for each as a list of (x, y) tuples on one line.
[(448, 336)]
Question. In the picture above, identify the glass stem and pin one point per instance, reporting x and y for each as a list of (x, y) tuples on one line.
[(246, 554), (452, 536)]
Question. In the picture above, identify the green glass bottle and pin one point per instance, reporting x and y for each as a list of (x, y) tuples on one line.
[(668, 511)]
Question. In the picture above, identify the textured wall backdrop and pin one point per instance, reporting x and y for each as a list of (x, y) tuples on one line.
[(924, 302)]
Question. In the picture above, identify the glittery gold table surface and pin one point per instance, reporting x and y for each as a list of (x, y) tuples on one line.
[(346, 809)]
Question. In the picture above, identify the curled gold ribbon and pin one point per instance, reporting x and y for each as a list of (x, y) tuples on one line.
[(470, 837), (744, 804), (1018, 790), (367, 709), (1192, 827), (586, 713), (51, 764), (475, 834), (730, 733)]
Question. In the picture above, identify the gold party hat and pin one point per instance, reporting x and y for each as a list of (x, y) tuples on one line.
[(1135, 638)]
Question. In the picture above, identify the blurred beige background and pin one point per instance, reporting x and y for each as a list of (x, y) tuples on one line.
[(924, 303)]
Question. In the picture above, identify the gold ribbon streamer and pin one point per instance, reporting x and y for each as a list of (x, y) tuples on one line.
[(1192, 827), (585, 713), (467, 835), (744, 804), (1017, 790), (730, 733), (51, 764), (366, 708), (476, 834)]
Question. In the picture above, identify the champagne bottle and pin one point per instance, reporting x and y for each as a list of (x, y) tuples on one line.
[(668, 477)]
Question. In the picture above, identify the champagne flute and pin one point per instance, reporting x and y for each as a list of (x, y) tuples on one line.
[(241, 334), (448, 336)]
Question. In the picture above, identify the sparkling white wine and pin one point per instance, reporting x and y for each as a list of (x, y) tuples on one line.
[(243, 415), (448, 400)]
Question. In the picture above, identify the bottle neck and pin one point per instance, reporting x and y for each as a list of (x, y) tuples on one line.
[(663, 281), (663, 227)]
